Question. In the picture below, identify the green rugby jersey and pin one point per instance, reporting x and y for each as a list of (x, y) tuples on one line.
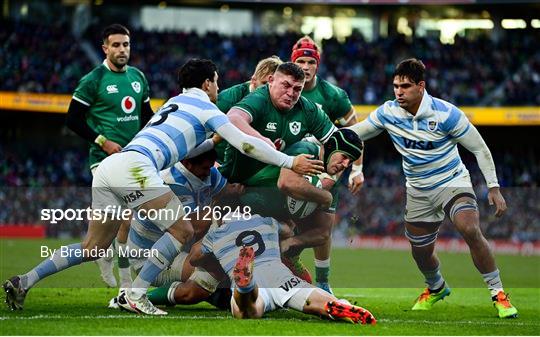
[(262, 194), (290, 126), (115, 100), (226, 100), (333, 100)]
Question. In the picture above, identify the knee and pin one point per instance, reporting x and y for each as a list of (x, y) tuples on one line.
[(183, 232), (471, 232), (190, 293)]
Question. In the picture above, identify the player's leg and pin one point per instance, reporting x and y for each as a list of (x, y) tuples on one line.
[(315, 301), (123, 261), (422, 237), (322, 252), (98, 237), (313, 231), (422, 220), (322, 262), (164, 250), (101, 233), (106, 263), (245, 302), (463, 212)]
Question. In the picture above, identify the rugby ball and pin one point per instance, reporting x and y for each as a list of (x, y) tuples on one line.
[(302, 208)]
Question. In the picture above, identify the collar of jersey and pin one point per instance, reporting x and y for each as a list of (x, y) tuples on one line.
[(424, 110), (112, 71), (197, 93), (194, 181)]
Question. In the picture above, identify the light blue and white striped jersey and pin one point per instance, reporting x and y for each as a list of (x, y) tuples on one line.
[(181, 124), (226, 240), (426, 141), (192, 192)]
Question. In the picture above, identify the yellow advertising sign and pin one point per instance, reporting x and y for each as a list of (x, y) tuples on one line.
[(34, 102), (53, 103)]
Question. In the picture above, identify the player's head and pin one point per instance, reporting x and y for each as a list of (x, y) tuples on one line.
[(116, 45), (265, 68), (286, 85), (199, 73), (341, 149), (409, 84), (200, 165), (307, 54)]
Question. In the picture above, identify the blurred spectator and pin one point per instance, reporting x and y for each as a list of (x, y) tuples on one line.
[(47, 59)]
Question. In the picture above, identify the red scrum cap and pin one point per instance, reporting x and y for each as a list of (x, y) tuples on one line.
[(305, 47)]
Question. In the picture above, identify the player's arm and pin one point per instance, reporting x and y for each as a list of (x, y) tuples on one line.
[(146, 113), (365, 130), (76, 121), (296, 186), (200, 256), (242, 120), (260, 150), (473, 141)]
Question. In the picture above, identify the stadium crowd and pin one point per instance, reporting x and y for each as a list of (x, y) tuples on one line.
[(468, 72), (30, 182)]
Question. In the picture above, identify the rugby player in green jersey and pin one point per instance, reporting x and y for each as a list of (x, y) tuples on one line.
[(229, 97), (275, 113), (274, 185), (109, 106), (335, 102)]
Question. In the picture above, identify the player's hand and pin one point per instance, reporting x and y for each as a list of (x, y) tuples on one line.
[(216, 138), (356, 180), (303, 164), (111, 147), (235, 189), (495, 197)]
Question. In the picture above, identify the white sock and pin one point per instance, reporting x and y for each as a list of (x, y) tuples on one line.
[(493, 281), (322, 263)]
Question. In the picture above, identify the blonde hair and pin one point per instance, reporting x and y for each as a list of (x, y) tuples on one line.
[(267, 67)]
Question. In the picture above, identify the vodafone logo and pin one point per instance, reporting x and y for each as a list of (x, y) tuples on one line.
[(128, 104)]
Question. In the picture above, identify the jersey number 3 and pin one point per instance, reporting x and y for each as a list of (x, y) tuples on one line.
[(163, 113)]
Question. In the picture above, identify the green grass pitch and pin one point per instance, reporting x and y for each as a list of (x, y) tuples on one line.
[(385, 282)]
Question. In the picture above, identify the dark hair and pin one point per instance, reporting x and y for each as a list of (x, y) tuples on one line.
[(413, 69), (194, 72), (115, 28), (343, 140), (210, 155), (292, 69)]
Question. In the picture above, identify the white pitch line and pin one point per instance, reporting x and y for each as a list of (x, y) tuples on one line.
[(133, 316), (197, 317)]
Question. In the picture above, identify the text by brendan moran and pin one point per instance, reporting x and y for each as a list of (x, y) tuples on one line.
[(123, 251)]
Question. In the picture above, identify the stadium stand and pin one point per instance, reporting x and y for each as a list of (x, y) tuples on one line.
[(463, 73)]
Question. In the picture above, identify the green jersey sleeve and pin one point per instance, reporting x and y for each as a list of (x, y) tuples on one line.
[(320, 125), (256, 103), (229, 97), (87, 89), (341, 104)]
